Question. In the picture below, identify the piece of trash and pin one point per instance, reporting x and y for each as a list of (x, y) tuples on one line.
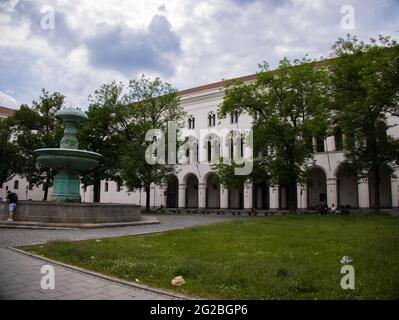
[(346, 260), (178, 281), (137, 280), (98, 240), (91, 257)]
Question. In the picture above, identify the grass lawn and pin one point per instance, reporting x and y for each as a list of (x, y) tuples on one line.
[(278, 257)]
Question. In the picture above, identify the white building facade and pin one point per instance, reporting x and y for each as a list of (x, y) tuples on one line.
[(192, 186)]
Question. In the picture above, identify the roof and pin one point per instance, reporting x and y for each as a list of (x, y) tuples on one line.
[(215, 85), (6, 111)]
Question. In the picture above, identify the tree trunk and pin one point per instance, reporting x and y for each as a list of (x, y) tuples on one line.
[(292, 199), (46, 184), (147, 199), (377, 187), (97, 191)]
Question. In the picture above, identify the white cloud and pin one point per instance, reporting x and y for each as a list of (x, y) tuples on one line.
[(197, 42), (7, 101)]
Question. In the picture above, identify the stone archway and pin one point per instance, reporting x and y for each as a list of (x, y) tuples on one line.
[(385, 188), (236, 198), (260, 196), (316, 188), (191, 191), (347, 188), (172, 192), (212, 192)]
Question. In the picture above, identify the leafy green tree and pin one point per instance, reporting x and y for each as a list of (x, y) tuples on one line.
[(107, 133), (11, 160), (365, 90), (36, 127), (289, 105), (151, 104)]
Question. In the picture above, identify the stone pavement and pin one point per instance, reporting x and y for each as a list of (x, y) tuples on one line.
[(20, 274)]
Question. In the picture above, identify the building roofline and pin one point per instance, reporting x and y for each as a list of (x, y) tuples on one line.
[(6, 111), (215, 85)]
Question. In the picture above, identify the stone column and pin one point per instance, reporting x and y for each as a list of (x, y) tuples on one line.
[(224, 197), (201, 195), (248, 195), (273, 191), (302, 197), (363, 193), (332, 192), (182, 195)]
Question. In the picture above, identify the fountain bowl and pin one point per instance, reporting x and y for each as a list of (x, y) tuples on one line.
[(68, 159)]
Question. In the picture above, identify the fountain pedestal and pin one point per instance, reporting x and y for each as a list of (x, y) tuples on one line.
[(66, 187)]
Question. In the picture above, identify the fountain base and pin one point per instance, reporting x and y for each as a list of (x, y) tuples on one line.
[(75, 213), (66, 187)]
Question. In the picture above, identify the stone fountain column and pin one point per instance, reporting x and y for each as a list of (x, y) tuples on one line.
[(68, 160)]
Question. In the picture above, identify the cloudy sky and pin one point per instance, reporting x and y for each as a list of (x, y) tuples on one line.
[(72, 46)]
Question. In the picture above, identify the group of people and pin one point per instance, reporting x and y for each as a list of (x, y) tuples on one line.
[(324, 209), (11, 200)]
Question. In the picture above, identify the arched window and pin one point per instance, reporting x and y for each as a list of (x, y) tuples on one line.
[(234, 117), (191, 122), (106, 186), (16, 184), (118, 187), (212, 145), (209, 149), (191, 151), (211, 119)]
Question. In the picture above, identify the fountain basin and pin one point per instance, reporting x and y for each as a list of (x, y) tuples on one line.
[(68, 159), (54, 215)]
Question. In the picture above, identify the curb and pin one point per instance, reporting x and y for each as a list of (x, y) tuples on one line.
[(105, 277), (76, 226)]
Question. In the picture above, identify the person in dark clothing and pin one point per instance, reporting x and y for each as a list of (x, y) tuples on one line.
[(12, 199)]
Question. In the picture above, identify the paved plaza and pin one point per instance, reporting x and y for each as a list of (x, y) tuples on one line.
[(20, 275)]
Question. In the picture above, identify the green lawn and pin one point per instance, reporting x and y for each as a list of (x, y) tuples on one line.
[(278, 257)]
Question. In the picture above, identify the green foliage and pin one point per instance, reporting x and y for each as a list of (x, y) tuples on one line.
[(106, 132), (151, 104), (11, 160), (36, 127), (365, 91), (119, 118), (290, 106)]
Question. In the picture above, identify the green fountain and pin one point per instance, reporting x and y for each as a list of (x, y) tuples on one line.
[(68, 160), (66, 210)]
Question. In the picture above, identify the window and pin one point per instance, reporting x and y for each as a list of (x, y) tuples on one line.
[(209, 146), (191, 122), (30, 186), (234, 117), (118, 187), (106, 186), (211, 119), (242, 146), (338, 139), (16, 184), (319, 144)]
